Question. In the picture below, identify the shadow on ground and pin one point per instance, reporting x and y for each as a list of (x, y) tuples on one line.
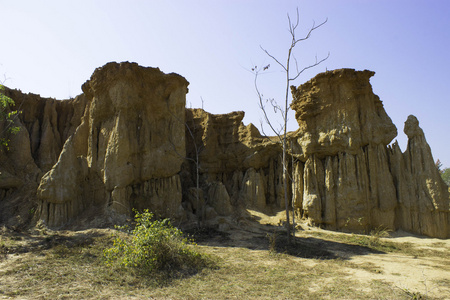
[(273, 239), (264, 237), (23, 242)]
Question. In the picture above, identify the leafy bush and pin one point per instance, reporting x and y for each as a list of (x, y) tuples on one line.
[(155, 245), (6, 116), (445, 174)]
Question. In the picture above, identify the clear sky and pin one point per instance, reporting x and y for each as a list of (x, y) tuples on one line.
[(52, 47)]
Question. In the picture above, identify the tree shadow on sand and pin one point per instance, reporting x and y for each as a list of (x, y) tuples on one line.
[(24, 242), (275, 240)]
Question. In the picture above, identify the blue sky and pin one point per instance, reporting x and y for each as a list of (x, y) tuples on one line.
[(52, 47)]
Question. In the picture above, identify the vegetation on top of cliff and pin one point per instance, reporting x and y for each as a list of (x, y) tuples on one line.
[(6, 118), (445, 173)]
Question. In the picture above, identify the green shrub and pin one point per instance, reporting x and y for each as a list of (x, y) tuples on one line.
[(7, 117), (155, 245), (445, 174)]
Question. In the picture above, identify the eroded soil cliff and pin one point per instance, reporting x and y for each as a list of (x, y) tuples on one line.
[(129, 142)]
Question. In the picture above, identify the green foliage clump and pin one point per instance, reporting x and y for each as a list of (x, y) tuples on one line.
[(7, 117), (155, 246), (445, 174)]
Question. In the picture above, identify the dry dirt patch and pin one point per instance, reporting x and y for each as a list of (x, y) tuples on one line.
[(415, 264)]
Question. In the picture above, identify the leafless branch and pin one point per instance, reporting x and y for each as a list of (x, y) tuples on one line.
[(309, 67), (313, 27), (296, 63), (185, 124), (178, 153), (271, 56), (262, 106)]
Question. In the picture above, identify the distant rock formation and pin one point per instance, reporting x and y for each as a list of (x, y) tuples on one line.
[(128, 142)]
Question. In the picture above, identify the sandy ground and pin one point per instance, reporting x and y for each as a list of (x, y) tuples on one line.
[(427, 275)]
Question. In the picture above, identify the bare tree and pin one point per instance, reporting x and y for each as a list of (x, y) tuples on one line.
[(293, 190), (195, 161), (281, 133)]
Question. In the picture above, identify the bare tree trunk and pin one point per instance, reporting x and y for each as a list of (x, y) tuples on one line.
[(293, 191), (282, 133), (285, 183), (196, 161)]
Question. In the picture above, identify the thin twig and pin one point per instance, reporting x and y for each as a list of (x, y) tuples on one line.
[(271, 56), (309, 67)]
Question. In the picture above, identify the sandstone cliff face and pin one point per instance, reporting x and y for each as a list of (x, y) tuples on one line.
[(48, 123), (238, 168), (423, 197), (341, 147), (44, 124), (337, 111), (128, 150), (128, 142), (350, 177)]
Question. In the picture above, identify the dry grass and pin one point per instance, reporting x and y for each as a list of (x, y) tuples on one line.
[(69, 265)]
